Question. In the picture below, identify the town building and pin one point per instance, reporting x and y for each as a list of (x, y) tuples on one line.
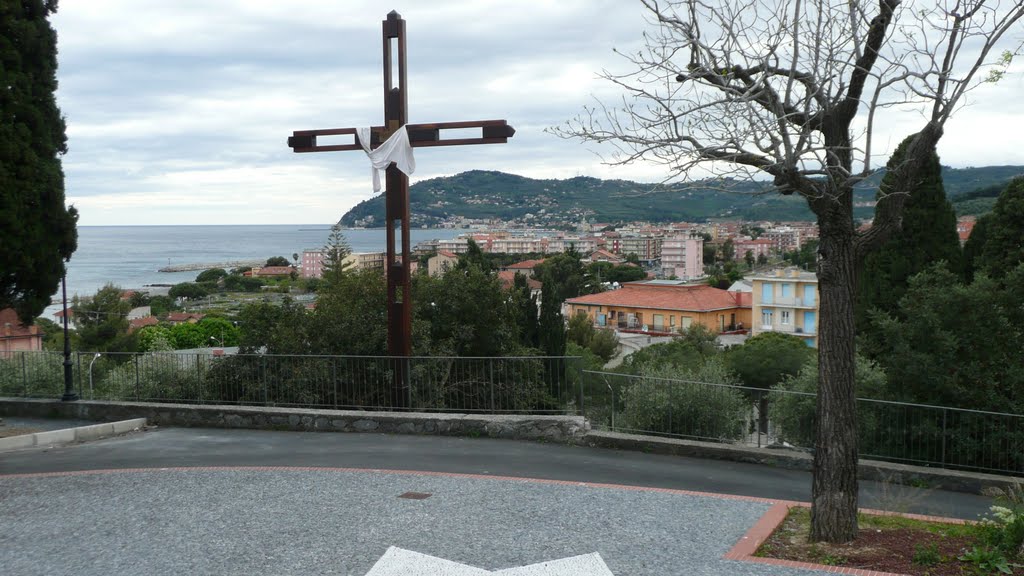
[(15, 336), (665, 306), (312, 264), (175, 318), (757, 248), (441, 262), (682, 257), (645, 247), (365, 261), (783, 239), (786, 301)]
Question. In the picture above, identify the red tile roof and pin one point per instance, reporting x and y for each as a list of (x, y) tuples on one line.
[(508, 279), (275, 271), (447, 254), (138, 323), (524, 265), (693, 298)]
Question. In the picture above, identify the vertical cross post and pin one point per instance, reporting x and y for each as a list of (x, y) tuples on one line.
[(396, 111), (396, 198)]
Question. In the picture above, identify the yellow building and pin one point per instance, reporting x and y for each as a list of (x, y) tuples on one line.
[(665, 306), (365, 261), (786, 301)]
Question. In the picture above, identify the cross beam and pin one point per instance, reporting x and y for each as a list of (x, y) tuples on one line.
[(397, 187)]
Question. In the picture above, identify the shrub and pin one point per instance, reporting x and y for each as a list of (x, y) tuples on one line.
[(693, 402)]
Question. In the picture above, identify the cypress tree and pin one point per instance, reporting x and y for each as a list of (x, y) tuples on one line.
[(996, 245), (928, 235), (37, 230)]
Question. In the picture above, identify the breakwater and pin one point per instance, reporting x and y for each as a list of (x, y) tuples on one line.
[(224, 265)]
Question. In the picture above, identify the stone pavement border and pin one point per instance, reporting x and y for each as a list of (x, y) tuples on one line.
[(71, 435), (745, 549)]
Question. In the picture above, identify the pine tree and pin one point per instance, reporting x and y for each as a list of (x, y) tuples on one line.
[(336, 253), (37, 230), (996, 245), (928, 235)]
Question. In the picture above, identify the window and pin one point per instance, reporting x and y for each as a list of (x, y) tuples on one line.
[(672, 321), (787, 290), (766, 319), (687, 321), (784, 317), (809, 295), (766, 293)]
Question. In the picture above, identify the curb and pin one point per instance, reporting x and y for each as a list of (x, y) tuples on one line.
[(905, 474), (71, 435)]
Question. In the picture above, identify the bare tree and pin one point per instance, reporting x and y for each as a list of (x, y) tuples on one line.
[(792, 90)]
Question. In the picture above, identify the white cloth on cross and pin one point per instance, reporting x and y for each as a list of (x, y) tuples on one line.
[(395, 149)]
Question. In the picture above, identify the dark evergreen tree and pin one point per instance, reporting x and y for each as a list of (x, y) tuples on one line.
[(37, 230), (928, 235), (552, 325), (996, 245), (525, 304), (335, 256)]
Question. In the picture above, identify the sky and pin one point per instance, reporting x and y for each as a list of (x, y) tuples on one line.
[(178, 112)]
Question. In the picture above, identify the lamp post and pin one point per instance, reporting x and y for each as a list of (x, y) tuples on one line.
[(69, 389), (92, 395)]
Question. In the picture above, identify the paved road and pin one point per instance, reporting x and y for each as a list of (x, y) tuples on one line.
[(184, 447)]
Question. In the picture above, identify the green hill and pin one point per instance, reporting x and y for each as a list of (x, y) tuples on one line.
[(485, 194)]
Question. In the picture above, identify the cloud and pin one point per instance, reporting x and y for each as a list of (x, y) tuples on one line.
[(178, 112)]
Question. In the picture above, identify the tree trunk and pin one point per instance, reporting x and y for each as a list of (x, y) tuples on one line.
[(834, 489)]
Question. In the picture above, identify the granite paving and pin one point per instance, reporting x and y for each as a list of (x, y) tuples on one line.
[(311, 521)]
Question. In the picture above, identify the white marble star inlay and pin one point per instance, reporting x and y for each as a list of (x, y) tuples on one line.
[(399, 562)]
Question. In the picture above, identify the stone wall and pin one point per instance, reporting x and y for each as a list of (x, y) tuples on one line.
[(526, 427)]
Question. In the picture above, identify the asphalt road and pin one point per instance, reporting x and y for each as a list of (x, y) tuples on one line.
[(183, 447)]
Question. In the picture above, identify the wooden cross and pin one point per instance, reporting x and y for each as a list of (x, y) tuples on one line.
[(397, 186)]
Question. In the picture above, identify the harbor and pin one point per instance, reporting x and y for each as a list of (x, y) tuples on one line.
[(196, 267)]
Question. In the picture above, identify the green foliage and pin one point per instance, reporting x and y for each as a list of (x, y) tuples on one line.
[(659, 402), (102, 320), (277, 261), (188, 290), (474, 256), (159, 306), (678, 354), (580, 330), (928, 235), (351, 316), (525, 312), (806, 257), (274, 329), (335, 251), (153, 377), (155, 339), (238, 283), (604, 344), (563, 276), (608, 272), (467, 312), (32, 374), (996, 245), (954, 344), (37, 230), (766, 359), (211, 275), (986, 561), (1003, 530), (794, 413), (551, 330), (926, 555)]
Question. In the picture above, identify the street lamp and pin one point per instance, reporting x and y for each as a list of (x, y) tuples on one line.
[(69, 389), (94, 358)]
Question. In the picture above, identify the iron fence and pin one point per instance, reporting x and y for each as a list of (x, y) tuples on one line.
[(528, 384), (919, 434)]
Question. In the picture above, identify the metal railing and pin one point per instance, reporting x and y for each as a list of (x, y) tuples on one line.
[(529, 384), (920, 434)]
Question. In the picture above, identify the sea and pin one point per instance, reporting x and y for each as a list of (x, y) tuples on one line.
[(130, 256)]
